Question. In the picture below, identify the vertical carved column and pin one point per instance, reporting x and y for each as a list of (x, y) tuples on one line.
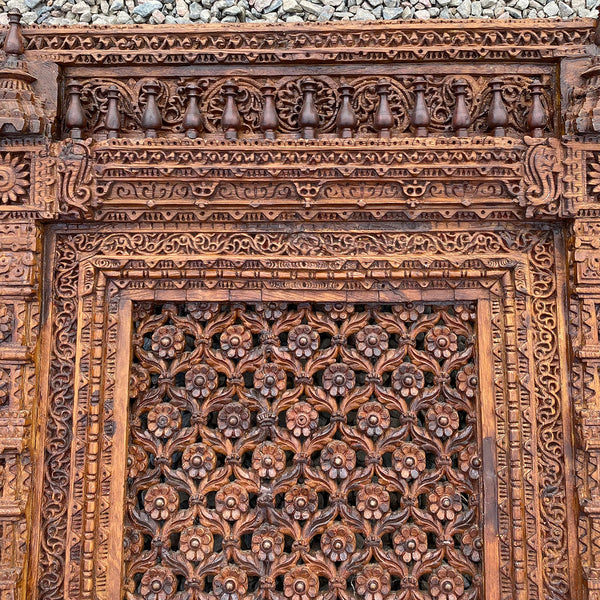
[(18, 333), (27, 192), (585, 336)]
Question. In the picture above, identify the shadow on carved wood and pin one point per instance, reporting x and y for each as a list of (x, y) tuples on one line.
[(352, 276)]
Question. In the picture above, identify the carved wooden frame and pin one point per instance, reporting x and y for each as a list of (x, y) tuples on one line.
[(91, 225), (103, 284)]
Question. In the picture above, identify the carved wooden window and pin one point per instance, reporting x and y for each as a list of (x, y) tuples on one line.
[(303, 451)]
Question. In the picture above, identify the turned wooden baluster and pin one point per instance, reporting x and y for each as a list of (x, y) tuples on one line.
[(383, 121), (74, 117), (461, 119), (537, 117), (113, 118), (13, 42), (269, 119), (192, 120), (497, 117), (151, 119), (420, 116), (346, 119), (308, 119), (231, 122)]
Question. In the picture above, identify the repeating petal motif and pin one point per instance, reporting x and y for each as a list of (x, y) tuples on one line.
[(304, 451)]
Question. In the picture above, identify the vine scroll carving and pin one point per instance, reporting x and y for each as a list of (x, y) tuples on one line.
[(300, 312)]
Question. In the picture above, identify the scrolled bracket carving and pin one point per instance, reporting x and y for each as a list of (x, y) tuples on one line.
[(541, 182), (76, 180)]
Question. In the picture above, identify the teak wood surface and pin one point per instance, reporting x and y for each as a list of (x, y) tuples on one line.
[(300, 312)]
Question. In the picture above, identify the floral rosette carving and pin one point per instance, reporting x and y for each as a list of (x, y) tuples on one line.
[(337, 459), (137, 461), (158, 583), (271, 310), (161, 501), (300, 584), (373, 418), (472, 544), (445, 502), (410, 543), (236, 341), (409, 460), (409, 312), (139, 380), (373, 583), (373, 501), (302, 419), (230, 584), (267, 543), (466, 381), (233, 420), (446, 584), (338, 379), (372, 341), (442, 420), (168, 342), (408, 380), (198, 460), (268, 460), (338, 542), (339, 311), (300, 502), (469, 461), (441, 342), (232, 502), (303, 341), (272, 431), (196, 543), (270, 380), (200, 381), (164, 420), (203, 311)]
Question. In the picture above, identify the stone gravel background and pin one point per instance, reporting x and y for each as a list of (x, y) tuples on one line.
[(110, 12)]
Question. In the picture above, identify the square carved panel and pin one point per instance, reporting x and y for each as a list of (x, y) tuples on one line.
[(281, 450)]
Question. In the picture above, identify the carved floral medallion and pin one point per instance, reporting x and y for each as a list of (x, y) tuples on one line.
[(303, 450)]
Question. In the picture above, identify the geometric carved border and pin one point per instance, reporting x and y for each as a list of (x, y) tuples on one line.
[(512, 273)]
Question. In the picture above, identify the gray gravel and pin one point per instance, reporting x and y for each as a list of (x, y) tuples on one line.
[(110, 12)]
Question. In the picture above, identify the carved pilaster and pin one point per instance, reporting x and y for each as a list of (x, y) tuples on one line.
[(27, 194), (585, 377)]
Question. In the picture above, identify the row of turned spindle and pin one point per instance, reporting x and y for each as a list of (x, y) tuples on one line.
[(308, 117)]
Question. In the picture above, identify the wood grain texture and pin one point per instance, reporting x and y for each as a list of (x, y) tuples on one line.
[(227, 261)]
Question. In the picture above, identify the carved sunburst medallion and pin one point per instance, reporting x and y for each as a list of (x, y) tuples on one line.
[(14, 179)]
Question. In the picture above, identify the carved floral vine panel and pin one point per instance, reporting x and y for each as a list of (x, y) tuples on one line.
[(303, 451)]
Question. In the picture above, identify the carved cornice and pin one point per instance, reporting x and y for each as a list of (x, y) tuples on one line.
[(375, 42), (403, 173)]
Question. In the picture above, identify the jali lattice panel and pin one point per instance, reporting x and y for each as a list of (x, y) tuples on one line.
[(303, 451)]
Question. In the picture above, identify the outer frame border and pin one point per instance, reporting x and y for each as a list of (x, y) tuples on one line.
[(513, 274)]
